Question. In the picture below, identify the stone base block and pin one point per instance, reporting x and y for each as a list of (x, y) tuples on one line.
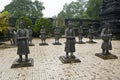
[(43, 44), (65, 60), (4, 46), (17, 64), (91, 42), (31, 44), (80, 42), (106, 57), (57, 43)]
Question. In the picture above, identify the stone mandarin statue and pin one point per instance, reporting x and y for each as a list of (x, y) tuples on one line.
[(13, 35), (106, 44), (43, 36), (22, 42), (80, 35), (57, 35), (23, 48), (69, 46), (91, 33), (106, 37), (70, 41), (30, 36)]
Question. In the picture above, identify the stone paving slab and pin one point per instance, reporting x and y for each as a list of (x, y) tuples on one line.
[(47, 65)]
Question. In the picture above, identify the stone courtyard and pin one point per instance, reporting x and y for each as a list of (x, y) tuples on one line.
[(47, 65)]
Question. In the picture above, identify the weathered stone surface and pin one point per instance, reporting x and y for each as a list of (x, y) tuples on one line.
[(17, 64), (106, 57), (43, 44), (5, 46), (91, 42), (31, 44), (80, 42), (69, 60), (110, 12), (57, 43)]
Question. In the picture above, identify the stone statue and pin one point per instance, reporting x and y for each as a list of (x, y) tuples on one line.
[(106, 44), (57, 36), (106, 37), (13, 35), (69, 46), (43, 36), (30, 36), (23, 48), (22, 42), (80, 35), (70, 41), (91, 35)]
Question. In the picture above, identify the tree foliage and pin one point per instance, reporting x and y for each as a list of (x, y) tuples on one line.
[(47, 23), (73, 10), (85, 9), (93, 9), (28, 22), (4, 23), (26, 8)]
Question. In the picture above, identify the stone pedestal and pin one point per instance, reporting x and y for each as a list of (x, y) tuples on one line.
[(31, 44), (3, 46), (106, 57), (17, 64), (80, 42), (57, 43), (43, 44), (65, 60), (91, 42)]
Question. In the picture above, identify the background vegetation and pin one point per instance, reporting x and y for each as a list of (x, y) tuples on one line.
[(31, 13)]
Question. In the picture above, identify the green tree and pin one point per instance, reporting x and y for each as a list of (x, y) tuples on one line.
[(43, 22), (4, 22), (73, 10), (93, 9), (28, 22), (26, 8)]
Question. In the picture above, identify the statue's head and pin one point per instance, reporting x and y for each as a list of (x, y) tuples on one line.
[(91, 27), (21, 24), (57, 26), (29, 27), (69, 24), (80, 27), (107, 25), (42, 27)]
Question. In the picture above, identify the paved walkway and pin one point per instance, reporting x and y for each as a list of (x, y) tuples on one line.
[(47, 65)]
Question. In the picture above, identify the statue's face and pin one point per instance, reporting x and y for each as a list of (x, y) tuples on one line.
[(107, 25), (80, 26), (91, 27), (42, 27), (28, 27), (21, 25), (69, 24)]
